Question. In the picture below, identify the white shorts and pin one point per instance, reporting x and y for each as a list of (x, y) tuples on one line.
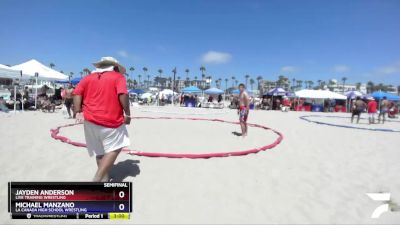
[(100, 140)]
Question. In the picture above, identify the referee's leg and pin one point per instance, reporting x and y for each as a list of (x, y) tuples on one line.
[(104, 163)]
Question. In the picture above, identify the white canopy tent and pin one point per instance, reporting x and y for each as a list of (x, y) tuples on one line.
[(319, 94), (15, 75), (167, 92), (34, 68), (8, 72)]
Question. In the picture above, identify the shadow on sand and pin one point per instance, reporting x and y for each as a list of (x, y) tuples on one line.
[(237, 133), (124, 169)]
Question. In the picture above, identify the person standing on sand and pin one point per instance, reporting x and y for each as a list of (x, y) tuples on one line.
[(103, 98), (244, 104), (69, 99), (372, 110), (383, 110), (358, 108)]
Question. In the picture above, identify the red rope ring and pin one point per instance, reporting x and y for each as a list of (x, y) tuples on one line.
[(54, 134)]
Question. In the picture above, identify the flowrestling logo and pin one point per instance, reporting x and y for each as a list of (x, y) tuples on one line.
[(381, 197)]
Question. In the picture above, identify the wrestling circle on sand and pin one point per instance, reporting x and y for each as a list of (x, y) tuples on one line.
[(307, 118), (55, 134)]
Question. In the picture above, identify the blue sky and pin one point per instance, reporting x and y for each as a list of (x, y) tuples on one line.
[(306, 40)]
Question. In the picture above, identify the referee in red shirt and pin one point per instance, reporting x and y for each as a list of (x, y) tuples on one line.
[(103, 98)]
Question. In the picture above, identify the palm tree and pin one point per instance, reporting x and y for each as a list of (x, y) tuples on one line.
[(160, 71), (358, 86), (319, 83), (61, 71), (331, 84), (299, 83), (252, 83), (226, 83), (233, 81), (71, 74), (246, 77), (370, 87), (323, 83), (293, 83), (259, 78), (280, 79), (219, 82), (202, 69), (210, 79), (179, 78), (52, 65), (144, 71), (130, 82), (236, 82), (174, 71), (344, 82), (148, 80), (132, 69), (310, 84), (81, 73), (203, 76), (187, 73), (139, 76), (195, 79)]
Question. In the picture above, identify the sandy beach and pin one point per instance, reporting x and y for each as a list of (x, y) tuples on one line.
[(317, 174)]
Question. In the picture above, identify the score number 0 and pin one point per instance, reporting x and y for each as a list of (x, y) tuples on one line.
[(121, 206)]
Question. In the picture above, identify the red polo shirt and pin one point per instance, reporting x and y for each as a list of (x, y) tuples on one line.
[(100, 100), (372, 105)]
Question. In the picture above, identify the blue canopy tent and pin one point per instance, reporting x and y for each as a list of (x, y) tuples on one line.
[(236, 92), (276, 92), (74, 81), (380, 94), (354, 94), (191, 89), (213, 91), (136, 91), (290, 95), (62, 81)]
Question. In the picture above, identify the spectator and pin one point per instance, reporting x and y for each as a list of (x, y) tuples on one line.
[(219, 98), (372, 105), (3, 106)]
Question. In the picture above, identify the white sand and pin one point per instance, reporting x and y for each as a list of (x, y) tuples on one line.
[(318, 174)]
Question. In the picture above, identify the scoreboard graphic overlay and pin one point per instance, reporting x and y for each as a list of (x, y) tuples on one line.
[(69, 200)]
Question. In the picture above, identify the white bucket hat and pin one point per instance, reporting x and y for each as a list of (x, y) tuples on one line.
[(109, 61)]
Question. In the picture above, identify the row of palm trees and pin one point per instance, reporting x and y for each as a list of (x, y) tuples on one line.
[(218, 82), (248, 80), (309, 84), (282, 80), (82, 73)]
